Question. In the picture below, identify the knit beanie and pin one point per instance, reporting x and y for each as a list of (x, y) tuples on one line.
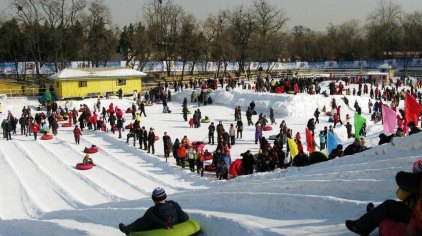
[(417, 166), (158, 194)]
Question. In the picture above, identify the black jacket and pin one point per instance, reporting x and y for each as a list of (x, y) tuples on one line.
[(352, 149), (160, 215)]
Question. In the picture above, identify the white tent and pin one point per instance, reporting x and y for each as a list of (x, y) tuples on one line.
[(385, 66)]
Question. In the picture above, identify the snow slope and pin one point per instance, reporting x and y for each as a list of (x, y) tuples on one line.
[(41, 193)]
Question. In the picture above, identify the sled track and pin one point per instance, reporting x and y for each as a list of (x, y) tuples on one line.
[(9, 208), (102, 163), (83, 189), (138, 171), (146, 159), (118, 187), (46, 194)]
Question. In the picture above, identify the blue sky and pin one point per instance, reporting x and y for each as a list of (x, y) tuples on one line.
[(315, 14)]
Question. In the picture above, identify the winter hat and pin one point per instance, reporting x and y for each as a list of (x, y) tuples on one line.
[(417, 166), (159, 194)]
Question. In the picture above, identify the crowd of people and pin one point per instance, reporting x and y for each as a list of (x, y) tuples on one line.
[(273, 152)]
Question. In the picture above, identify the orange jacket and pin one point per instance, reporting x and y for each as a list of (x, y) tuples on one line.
[(181, 152)]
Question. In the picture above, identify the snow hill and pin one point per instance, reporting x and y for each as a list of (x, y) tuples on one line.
[(41, 193)]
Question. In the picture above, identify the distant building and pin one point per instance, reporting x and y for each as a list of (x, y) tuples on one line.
[(93, 82)]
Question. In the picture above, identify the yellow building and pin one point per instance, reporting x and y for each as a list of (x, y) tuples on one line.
[(91, 82)]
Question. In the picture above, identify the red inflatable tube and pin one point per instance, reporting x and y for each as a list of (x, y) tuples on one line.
[(391, 228), (267, 128), (208, 157), (129, 110), (47, 137), (235, 168), (129, 126), (66, 125), (210, 167), (328, 113), (157, 138), (91, 150), (81, 166)]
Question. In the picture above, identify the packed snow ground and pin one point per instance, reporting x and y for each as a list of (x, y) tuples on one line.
[(41, 193)]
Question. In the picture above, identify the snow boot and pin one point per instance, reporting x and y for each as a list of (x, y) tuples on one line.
[(123, 229), (353, 226), (369, 207)]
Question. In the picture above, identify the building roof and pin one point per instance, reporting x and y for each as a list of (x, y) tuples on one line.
[(93, 73)]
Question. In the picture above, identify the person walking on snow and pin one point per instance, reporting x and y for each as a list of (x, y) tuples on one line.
[(77, 134), (151, 140)]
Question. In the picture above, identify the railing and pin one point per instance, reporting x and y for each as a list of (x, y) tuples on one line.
[(20, 92)]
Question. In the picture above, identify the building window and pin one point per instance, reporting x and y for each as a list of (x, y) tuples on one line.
[(121, 82), (83, 84)]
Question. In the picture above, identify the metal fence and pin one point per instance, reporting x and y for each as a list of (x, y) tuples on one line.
[(19, 92)]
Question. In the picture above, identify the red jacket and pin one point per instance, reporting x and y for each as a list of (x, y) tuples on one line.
[(77, 132), (35, 128), (336, 117)]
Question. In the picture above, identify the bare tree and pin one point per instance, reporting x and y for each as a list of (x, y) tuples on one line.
[(411, 25), (241, 26), (60, 16), (102, 39), (383, 28), (269, 21), (29, 14), (162, 20), (221, 46)]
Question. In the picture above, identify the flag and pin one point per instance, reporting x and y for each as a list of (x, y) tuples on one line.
[(359, 121), (331, 142), (309, 141), (293, 147), (412, 109), (389, 118)]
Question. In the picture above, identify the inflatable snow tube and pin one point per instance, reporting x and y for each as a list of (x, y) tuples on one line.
[(389, 227), (156, 138), (81, 166), (210, 167), (129, 126), (236, 168), (328, 113), (129, 110), (205, 120), (189, 227), (267, 128), (208, 157), (272, 137), (91, 150), (198, 144), (46, 136), (67, 125)]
